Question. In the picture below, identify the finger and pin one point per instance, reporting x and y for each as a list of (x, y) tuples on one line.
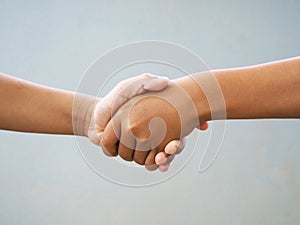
[(107, 153), (140, 156), (124, 91), (109, 140), (125, 152), (93, 136), (163, 168), (150, 160), (170, 159), (126, 146), (203, 126), (166, 166), (152, 167), (156, 83), (161, 158), (141, 152), (175, 146)]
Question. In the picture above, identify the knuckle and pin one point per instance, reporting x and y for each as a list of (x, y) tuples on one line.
[(126, 156), (140, 160), (133, 128), (139, 132), (121, 85), (150, 162), (146, 75), (107, 146), (125, 153), (105, 142), (152, 167), (107, 153)]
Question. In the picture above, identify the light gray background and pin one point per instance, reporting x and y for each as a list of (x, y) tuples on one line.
[(44, 180)]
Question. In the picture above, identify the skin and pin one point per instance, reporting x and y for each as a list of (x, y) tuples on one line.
[(29, 107), (269, 90)]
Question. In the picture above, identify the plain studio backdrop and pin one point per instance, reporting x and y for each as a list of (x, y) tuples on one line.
[(44, 180)]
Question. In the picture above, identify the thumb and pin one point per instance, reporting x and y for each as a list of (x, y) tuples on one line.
[(156, 83)]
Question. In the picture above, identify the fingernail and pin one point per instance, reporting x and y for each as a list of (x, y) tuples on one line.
[(160, 158)]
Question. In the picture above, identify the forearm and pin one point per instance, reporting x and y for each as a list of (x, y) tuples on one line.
[(29, 107), (269, 90)]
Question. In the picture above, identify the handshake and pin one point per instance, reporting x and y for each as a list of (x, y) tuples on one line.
[(143, 119)]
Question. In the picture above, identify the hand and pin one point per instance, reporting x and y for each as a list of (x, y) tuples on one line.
[(164, 159), (130, 126), (124, 91)]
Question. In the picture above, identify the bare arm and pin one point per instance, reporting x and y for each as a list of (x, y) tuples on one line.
[(29, 107), (269, 90)]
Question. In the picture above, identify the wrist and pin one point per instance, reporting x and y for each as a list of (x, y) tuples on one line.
[(195, 92), (82, 114)]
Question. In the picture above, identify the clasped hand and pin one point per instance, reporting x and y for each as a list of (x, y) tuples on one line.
[(144, 119)]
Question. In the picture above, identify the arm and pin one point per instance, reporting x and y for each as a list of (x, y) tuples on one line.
[(264, 91), (269, 90), (29, 107)]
